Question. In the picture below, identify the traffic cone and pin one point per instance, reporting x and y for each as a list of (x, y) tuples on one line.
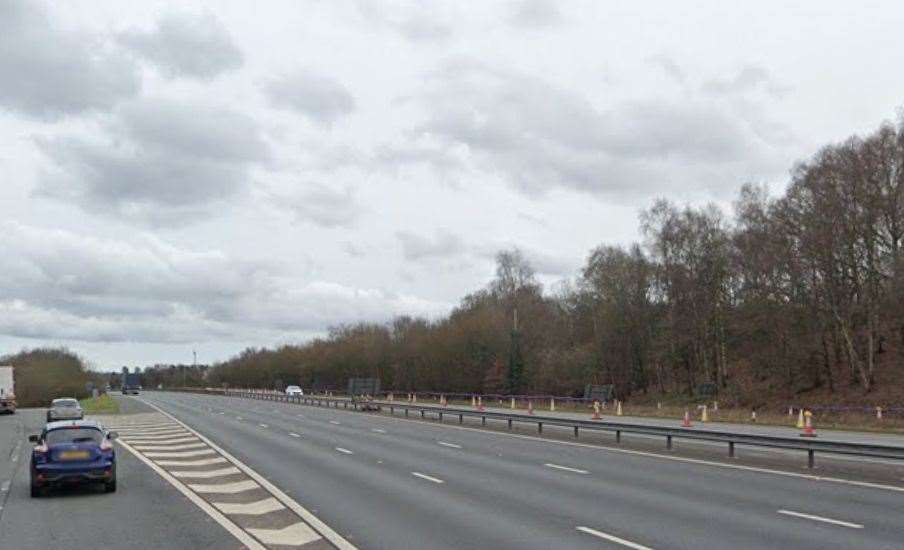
[(878, 413), (596, 411), (530, 407), (703, 416), (618, 411), (473, 401), (513, 403), (552, 404), (442, 400), (753, 416), (480, 406), (715, 406), (414, 398), (808, 426), (800, 419), (687, 419)]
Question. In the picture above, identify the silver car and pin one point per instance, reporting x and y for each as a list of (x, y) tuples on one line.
[(65, 408)]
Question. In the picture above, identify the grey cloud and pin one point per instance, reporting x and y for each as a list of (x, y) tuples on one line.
[(63, 285), (748, 78), (186, 45), (321, 205), (539, 137), (535, 14), (162, 162), (48, 72), (669, 66), (320, 98), (416, 22), (543, 263), (443, 245)]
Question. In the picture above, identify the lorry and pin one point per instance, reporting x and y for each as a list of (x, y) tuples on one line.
[(7, 390), (131, 383)]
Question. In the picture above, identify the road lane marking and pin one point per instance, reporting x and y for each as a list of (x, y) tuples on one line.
[(225, 488), (378, 430), (245, 538), (238, 418), (258, 508), (293, 434), (263, 425), (566, 468), (613, 538), (451, 445), (181, 454), (206, 474), (822, 519), (145, 441), (346, 451), (334, 422), (294, 535), (202, 462), (428, 478)]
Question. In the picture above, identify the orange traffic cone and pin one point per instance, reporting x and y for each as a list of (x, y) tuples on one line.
[(687, 419), (596, 411), (480, 406), (808, 426)]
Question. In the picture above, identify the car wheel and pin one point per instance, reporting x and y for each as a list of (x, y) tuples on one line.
[(48, 418), (36, 491), (110, 487)]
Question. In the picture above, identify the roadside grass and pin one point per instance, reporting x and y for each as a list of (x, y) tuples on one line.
[(104, 404)]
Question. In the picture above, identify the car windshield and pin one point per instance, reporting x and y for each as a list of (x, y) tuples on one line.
[(73, 435), (69, 403), (292, 388)]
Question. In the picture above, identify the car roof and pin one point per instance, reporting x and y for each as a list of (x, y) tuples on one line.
[(60, 399), (73, 423), (290, 387)]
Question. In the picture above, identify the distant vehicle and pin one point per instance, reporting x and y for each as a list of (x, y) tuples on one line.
[(131, 383), (7, 390), (72, 452), (64, 408), (294, 390)]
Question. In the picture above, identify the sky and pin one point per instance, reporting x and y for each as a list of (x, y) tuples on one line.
[(211, 176)]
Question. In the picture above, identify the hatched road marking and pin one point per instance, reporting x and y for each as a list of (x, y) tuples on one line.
[(202, 462), (258, 508), (293, 535), (225, 488), (205, 474), (181, 454)]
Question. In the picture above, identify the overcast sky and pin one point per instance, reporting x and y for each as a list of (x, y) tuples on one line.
[(215, 175)]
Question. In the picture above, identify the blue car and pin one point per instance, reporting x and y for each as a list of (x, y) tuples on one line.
[(72, 452)]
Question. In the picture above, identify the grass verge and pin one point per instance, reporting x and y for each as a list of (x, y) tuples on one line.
[(104, 404)]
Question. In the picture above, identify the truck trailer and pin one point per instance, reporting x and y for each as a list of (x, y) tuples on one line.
[(7, 390)]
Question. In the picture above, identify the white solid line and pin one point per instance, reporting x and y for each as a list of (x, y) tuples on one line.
[(822, 519), (346, 451), (230, 470), (566, 468), (452, 445), (428, 478), (235, 530), (293, 434), (613, 538), (325, 530)]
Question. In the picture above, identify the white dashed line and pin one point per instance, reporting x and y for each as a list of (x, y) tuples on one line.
[(822, 519), (293, 434), (334, 422), (378, 430), (613, 538), (452, 445), (428, 478), (345, 451), (566, 468), (263, 425)]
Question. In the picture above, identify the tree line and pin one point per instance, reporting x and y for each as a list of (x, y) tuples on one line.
[(780, 297)]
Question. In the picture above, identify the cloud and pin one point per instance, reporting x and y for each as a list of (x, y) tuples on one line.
[(186, 45), (160, 162), (320, 98), (749, 78), (414, 21), (63, 285), (321, 205), (669, 66), (47, 72), (539, 137), (535, 14), (443, 245)]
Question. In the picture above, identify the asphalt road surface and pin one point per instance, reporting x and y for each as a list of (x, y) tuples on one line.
[(145, 512), (390, 483), (276, 470)]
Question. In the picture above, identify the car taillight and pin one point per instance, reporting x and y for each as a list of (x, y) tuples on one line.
[(40, 453), (105, 445)]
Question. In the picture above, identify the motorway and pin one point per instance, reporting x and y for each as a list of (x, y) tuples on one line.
[(381, 482)]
